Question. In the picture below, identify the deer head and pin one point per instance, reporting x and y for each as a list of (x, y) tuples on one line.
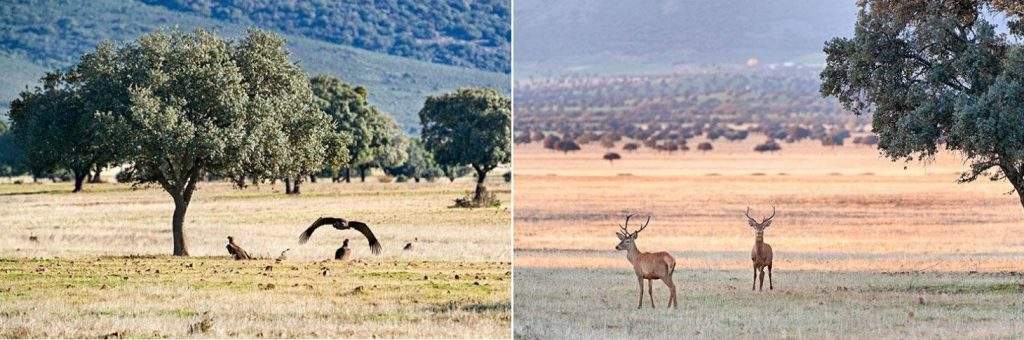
[(759, 227), (626, 238)]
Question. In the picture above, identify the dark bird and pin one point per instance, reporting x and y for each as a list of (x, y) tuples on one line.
[(236, 251), (342, 224), (343, 253), (408, 246)]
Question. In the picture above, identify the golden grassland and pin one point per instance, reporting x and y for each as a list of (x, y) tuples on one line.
[(849, 222), (94, 263)]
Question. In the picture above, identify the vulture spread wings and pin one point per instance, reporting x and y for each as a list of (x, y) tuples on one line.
[(359, 226)]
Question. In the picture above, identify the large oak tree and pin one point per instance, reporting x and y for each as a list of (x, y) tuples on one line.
[(937, 74), (471, 126), (192, 104)]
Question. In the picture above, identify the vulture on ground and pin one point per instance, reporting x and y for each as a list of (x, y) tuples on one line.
[(237, 252), (343, 253)]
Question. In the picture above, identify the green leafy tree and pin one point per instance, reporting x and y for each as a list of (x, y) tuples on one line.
[(295, 133), (198, 104), (10, 153), (419, 164), (375, 139), (471, 126), (55, 130), (936, 74)]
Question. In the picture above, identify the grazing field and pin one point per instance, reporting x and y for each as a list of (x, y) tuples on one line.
[(859, 241), (95, 263)]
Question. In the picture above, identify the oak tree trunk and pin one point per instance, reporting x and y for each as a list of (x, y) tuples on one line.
[(178, 226), (481, 175), (79, 179)]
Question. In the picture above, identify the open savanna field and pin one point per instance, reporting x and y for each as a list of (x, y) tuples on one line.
[(863, 246), (96, 263)]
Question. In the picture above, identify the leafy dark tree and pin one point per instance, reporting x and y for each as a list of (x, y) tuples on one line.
[(293, 133), (768, 146), (471, 126), (567, 146), (611, 157), (374, 138), (55, 129), (937, 74), (551, 142), (198, 104), (705, 146), (419, 163), (630, 147), (11, 163)]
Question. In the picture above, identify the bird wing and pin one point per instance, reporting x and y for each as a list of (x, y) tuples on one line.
[(316, 224), (231, 250), (365, 229)]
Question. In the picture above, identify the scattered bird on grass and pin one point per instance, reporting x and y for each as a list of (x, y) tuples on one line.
[(33, 238), (283, 256), (342, 224), (343, 253), (408, 246), (237, 252)]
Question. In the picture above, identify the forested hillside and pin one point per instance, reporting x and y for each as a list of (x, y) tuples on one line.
[(453, 32), (38, 35)]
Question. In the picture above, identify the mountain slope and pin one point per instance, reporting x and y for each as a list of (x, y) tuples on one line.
[(473, 34), (607, 36), (54, 33)]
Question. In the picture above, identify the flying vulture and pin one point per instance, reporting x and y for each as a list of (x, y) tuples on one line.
[(236, 251), (342, 224)]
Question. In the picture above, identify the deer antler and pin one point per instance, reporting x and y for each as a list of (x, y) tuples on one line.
[(747, 213), (644, 226), (766, 219)]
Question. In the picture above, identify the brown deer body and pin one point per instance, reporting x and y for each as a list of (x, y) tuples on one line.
[(648, 266), (761, 255)]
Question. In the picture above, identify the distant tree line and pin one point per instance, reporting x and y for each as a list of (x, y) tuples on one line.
[(664, 112)]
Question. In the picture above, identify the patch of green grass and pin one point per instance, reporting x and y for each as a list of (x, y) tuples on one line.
[(177, 290)]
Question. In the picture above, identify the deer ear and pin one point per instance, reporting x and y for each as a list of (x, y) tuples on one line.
[(620, 236), (767, 224)]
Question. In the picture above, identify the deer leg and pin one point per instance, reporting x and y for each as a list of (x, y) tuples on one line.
[(753, 286), (672, 292), (650, 291), (641, 281), (770, 286), (761, 287)]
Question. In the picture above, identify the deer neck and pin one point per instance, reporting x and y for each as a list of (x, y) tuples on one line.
[(632, 253), (759, 239)]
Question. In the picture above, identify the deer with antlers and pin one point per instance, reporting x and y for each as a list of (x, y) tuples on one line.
[(647, 266), (761, 255)]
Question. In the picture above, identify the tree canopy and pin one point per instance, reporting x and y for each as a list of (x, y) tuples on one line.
[(471, 126), (190, 104), (937, 74), (55, 129), (374, 138)]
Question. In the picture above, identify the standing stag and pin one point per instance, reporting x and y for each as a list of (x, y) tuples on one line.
[(761, 255), (649, 266)]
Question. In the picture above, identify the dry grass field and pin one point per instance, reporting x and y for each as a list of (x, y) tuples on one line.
[(95, 263), (863, 247)]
